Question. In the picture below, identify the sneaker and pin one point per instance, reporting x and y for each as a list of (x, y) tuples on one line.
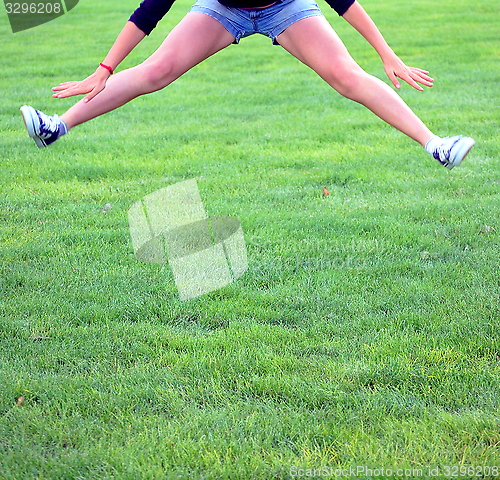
[(450, 151), (42, 128)]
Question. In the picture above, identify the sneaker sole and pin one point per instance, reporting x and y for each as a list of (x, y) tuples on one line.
[(465, 147), (32, 124)]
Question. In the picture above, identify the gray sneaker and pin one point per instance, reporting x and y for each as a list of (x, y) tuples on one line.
[(42, 128), (452, 150)]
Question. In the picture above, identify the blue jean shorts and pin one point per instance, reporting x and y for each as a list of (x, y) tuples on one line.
[(270, 21)]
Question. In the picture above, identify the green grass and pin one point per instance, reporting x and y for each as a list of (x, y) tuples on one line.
[(366, 329)]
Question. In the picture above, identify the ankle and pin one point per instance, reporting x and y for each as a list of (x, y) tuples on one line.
[(66, 122), (63, 128), (432, 144)]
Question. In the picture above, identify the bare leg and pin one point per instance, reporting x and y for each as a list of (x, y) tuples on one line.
[(313, 41), (194, 39)]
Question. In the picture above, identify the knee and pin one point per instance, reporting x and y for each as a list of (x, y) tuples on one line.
[(346, 80), (157, 75)]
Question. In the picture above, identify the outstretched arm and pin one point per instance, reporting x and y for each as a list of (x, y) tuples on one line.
[(128, 38), (393, 65)]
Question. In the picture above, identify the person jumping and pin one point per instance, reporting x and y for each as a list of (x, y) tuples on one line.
[(211, 25)]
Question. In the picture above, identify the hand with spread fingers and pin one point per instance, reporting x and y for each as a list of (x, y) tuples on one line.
[(395, 68), (92, 85)]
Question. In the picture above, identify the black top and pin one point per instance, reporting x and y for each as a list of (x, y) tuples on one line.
[(150, 12)]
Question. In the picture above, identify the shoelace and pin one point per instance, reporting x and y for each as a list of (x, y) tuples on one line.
[(48, 125), (442, 153)]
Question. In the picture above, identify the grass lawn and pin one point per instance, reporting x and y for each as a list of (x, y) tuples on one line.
[(366, 331)]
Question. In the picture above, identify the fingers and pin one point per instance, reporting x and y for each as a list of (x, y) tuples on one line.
[(395, 81), (416, 76), (65, 85), (411, 81), (421, 76), (396, 69), (393, 78), (412, 76), (92, 94), (391, 73), (68, 89), (67, 93)]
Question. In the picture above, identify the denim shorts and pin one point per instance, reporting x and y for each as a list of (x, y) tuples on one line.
[(270, 21)]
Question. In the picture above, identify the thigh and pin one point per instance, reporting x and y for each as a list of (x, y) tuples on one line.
[(314, 42), (195, 38)]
